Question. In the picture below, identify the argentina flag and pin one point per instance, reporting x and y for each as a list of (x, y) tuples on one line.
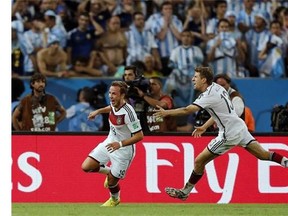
[(273, 65)]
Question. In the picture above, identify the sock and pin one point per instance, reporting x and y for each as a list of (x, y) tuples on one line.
[(114, 191), (194, 178), (278, 158), (104, 169), (284, 162)]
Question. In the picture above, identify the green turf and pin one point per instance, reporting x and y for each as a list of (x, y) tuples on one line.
[(149, 209)]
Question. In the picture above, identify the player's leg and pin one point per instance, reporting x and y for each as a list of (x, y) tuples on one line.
[(215, 148), (96, 160), (118, 171), (90, 165), (258, 151), (201, 160)]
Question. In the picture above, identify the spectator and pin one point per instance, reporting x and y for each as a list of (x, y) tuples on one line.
[(195, 22), (183, 60), (17, 52), (166, 27), (157, 97), (52, 28), (254, 38), (21, 13), (35, 40), (78, 113), (81, 40), (140, 42), (51, 6), (113, 43), (150, 68), (81, 68), (220, 9), (222, 51), (52, 61), (66, 14), (272, 53), (246, 16), (18, 88), (38, 111), (97, 9), (100, 62)]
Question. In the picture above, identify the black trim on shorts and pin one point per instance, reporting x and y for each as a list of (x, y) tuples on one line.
[(212, 152), (93, 159), (250, 142)]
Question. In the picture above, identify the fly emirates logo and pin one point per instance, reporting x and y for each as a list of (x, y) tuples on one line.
[(153, 162), (154, 152)]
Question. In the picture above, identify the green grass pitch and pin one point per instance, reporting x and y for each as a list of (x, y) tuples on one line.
[(147, 209)]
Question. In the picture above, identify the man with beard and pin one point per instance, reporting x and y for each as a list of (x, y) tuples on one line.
[(38, 111)]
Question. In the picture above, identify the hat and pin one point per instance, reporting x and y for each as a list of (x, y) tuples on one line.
[(52, 39), (262, 14), (50, 13), (230, 13)]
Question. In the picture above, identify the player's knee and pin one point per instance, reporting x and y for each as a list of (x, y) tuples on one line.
[(84, 168)]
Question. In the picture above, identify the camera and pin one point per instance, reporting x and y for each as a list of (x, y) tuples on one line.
[(99, 91), (279, 118), (141, 83)]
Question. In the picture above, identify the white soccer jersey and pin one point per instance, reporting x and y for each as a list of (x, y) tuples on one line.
[(123, 123), (217, 102)]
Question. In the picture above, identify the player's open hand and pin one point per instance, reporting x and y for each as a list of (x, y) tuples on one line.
[(111, 147), (159, 112), (198, 131), (92, 115)]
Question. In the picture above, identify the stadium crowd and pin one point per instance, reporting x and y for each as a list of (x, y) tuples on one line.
[(99, 38)]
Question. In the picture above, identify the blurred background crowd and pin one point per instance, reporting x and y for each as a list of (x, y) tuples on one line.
[(167, 39)]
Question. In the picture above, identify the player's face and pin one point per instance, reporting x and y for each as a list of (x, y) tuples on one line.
[(115, 97), (198, 82)]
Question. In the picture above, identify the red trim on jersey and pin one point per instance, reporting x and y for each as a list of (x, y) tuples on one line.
[(116, 119)]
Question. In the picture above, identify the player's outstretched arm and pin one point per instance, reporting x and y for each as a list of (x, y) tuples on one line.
[(160, 112), (92, 115)]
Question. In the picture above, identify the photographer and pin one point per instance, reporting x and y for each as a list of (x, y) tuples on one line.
[(154, 99), (135, 80)]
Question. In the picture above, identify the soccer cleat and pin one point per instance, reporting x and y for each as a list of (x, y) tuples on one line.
[(106, 182), (176, 193), (111, 202)]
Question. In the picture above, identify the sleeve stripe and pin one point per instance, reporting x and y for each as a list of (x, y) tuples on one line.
[(129, 112)]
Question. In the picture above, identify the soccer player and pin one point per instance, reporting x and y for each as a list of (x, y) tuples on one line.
[(232, 129), (118, 147)]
